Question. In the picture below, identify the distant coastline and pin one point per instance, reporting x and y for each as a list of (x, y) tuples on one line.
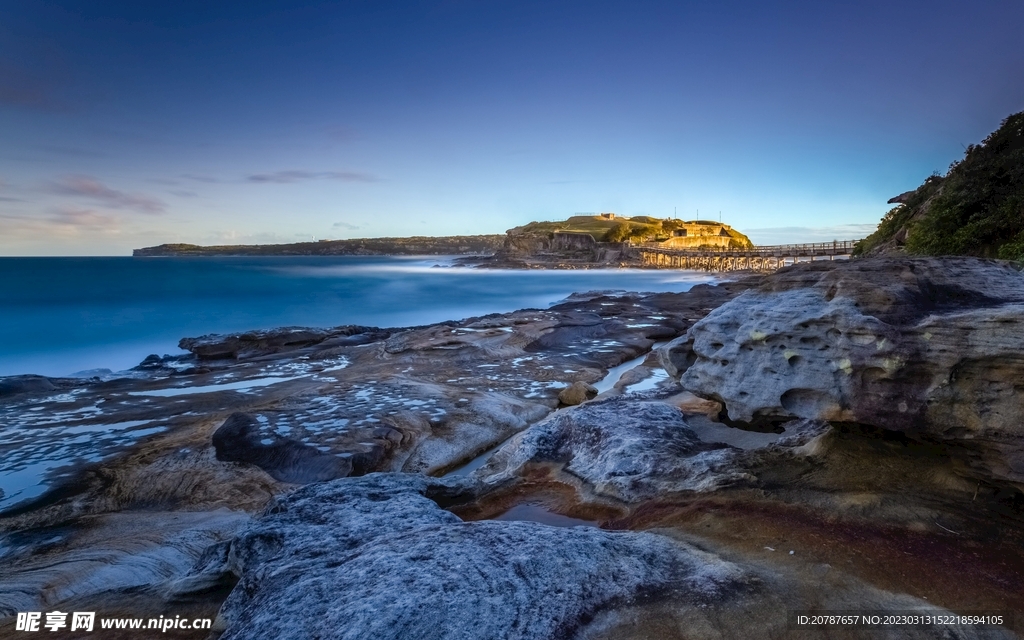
[(417, 245)]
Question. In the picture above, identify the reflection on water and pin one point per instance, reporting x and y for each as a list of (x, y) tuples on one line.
[(535, 512)]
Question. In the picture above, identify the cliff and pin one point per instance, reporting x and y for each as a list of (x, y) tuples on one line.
[(608, 227), (976, 209), (416, 245)]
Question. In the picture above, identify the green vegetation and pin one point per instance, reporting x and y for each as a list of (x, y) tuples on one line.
[(596, 226), (619, 229), (977, 208), (416, 245)]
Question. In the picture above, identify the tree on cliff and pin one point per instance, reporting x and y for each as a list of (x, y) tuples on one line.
[(977, 208)]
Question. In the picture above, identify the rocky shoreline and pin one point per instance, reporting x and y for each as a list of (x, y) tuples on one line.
[(836, 436)]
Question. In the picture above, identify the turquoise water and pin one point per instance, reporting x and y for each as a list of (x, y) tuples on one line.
[(60, 316)]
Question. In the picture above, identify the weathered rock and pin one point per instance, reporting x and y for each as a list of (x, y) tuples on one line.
[(623, 449), (576, 393), (931, 347), (106, 554), (255, 343), (376, 557), (13, 385), (239, 439)]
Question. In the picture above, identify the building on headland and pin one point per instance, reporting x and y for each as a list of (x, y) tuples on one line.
[(701, 234), (608, 216)]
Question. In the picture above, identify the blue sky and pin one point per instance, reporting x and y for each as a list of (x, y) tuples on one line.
[(129, 124)]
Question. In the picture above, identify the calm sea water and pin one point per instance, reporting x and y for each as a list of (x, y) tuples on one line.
[(60, 316)]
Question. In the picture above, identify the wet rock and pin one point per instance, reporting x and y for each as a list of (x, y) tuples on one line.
[(240, 439), (929, 347), (625, 449), (376, 557), (577, 393), (256, 343), (689, 403), (13, 385), (113, 553)]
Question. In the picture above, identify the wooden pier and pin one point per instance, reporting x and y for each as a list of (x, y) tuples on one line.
[(766, 258)]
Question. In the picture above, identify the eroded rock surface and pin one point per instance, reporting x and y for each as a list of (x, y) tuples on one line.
[(627, 450), (376, 557), (106, 555), (925, 346), (576, 393)]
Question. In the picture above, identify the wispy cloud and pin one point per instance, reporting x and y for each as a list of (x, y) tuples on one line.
[(83, 219), (295, 175), (86, 187), (201, 178), (182, 193), (345, 225), (61, 221)]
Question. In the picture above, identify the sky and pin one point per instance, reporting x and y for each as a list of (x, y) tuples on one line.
[(132, 124)]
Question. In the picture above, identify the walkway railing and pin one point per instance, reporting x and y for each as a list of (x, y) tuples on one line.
[(765, 258), (834, 248)]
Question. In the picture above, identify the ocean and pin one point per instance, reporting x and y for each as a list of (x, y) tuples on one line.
[(82, 316)]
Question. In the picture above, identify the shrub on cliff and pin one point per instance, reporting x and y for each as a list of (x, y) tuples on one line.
[(976, 209), (618, 233)]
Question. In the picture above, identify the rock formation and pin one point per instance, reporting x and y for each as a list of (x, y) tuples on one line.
[(625, 450), (576, 393), (846, 436), (376, 557), (929, 347)]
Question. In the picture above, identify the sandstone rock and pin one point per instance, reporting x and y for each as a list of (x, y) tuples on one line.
[(254, 343), (106, 554), (239, 440), (931, 347), (689, 403), (376, 557), (576, 393), (623, 449), (13, 385)]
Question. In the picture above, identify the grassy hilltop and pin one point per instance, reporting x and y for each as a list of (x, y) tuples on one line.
[(620, 229), (976, 209)]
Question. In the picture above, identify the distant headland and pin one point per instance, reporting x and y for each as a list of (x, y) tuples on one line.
[(416, 245), (593, 238)]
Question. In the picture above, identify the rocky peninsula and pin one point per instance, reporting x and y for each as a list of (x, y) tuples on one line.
[(596, 241), (836, 436), (412, 246)]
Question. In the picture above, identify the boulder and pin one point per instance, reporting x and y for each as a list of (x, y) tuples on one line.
[(264, 342), (240, 439), (377, 557), (930, 347), (624, 449), (577, 393), (14, 385)]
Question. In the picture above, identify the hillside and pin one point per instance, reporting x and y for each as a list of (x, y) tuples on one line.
[(417, 245), (976, 209), (610, 228)]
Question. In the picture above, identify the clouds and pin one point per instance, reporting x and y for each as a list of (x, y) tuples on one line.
[(83, 219), (86, 187), (288, 176), (296, 175), (61, 222), (345, 225)]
